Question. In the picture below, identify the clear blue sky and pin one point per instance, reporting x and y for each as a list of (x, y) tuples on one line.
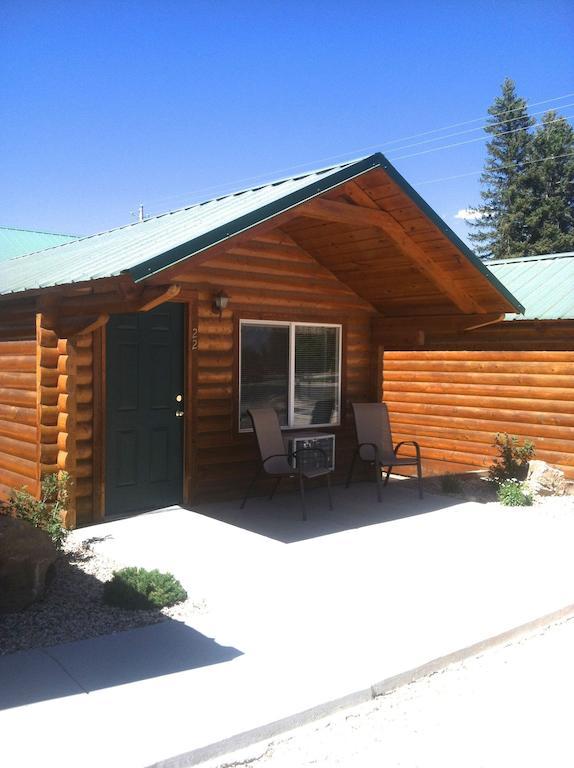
[(106, 104)]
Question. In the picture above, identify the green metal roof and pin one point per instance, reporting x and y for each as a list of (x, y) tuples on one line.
[(544, 284), (17, 242), (142, 249)]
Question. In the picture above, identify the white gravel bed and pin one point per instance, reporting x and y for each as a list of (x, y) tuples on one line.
[(555, 506), (73, 608)]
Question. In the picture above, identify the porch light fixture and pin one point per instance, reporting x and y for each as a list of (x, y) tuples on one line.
[(220, 302)]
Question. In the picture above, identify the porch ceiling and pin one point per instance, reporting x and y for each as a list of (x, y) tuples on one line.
[(374, 238)]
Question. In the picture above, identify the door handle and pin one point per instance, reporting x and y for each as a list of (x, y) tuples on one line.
[(179, 414)]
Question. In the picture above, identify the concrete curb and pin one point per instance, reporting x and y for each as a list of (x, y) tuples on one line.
[(270, 730)]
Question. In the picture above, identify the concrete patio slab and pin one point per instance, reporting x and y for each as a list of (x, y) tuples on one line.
[(299, 615), (162, 649), (26, 677)]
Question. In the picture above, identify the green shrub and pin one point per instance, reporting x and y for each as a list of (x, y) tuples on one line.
[(48, 511), (512, 460), (137, 588), (450, 484), (513, 494)]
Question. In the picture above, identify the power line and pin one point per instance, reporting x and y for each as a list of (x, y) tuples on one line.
[(233, 184), (472, 141), (476, 119), (478, 128), (505, 167), (448, 146)]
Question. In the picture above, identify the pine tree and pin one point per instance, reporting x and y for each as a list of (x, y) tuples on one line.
[(548, 187), (500, 230)]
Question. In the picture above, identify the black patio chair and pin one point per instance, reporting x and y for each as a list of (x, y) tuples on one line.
[(375, 444), (276, 462)]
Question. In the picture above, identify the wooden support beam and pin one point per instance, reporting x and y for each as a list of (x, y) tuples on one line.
[(68, 327), (418, 332), (97, 304), (494, 321), (151, 298), (367, 215), (74, 316), (359, 197)]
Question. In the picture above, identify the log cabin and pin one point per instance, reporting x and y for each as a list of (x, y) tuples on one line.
[(128, 358)]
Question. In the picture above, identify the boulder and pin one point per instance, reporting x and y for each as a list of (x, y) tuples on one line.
[(26, 557), (545, 480)]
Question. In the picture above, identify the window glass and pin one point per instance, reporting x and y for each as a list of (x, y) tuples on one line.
[(316, 385), (264, 370)]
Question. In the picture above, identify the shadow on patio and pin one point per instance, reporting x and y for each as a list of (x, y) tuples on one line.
[(106, 661), (354, 507)]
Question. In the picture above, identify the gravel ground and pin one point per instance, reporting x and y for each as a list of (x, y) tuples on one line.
[(510, 706), (73, 607)]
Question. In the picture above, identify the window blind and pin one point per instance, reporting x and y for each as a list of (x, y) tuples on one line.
[(316, 385), (264, 370)]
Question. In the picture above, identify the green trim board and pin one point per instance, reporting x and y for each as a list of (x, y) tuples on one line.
[(446, 230), (251, 219)]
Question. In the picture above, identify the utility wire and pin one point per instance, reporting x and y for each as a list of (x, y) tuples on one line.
[(505, 167), (472, 141), (354, 153), (475, 120), (475, 173), (456, 144), (478, 128)]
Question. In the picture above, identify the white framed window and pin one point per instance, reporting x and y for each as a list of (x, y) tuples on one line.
[(294, 368)]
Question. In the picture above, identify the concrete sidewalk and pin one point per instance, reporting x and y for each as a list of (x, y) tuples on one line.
[(304, 615)]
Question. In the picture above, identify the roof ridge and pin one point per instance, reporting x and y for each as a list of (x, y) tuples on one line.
[(38, 231), (198, 204), (538, 257)]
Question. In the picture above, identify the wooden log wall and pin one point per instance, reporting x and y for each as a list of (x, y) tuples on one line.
[(18, 408), (451, 333), (454, 402), (268, 278)]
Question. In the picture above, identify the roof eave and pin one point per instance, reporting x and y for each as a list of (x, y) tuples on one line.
[(219, 235), (172, 257), (448, 232)]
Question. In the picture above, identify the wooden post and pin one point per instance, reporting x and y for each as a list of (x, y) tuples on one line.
[(67, 423), (46, 398), (55, 387)]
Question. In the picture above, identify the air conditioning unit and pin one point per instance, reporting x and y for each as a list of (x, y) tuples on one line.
[(308, 460)]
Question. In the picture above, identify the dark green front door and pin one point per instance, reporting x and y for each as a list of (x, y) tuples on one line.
[(144, 436)]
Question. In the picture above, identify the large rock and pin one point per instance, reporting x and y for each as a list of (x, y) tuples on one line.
[(545, 480), (26, 556)]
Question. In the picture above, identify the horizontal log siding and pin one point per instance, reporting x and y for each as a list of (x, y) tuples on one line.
[(454, 402), (18, 411), (447, 333), (265, 280)]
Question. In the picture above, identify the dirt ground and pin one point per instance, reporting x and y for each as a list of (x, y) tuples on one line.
[(510, 706)]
